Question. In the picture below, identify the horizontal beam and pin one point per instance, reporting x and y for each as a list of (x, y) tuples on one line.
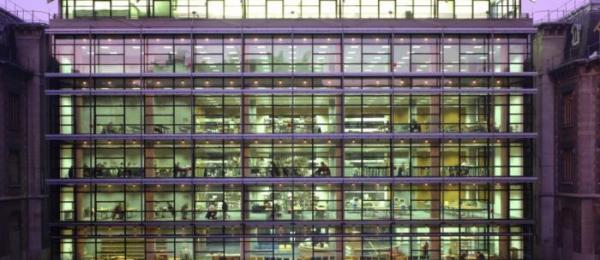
[(326, 29), (286, 74), (252, 137), (285, 91), (313, 180), (271, 223)]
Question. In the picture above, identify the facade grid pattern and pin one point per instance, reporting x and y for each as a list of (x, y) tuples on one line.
[(291, 145)]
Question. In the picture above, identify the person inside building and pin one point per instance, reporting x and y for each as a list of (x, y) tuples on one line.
[(185, 254), (128, 171), (464, 168), (425, 250), (118, 212), (71, 172), (356, 204), (224, 209), (98, 170), (274, 170), (86, 170), (110, 129), (401, 170), (414, 126), (179, 171), (323, 170), (171, 209), (184, 211), (212, 211)]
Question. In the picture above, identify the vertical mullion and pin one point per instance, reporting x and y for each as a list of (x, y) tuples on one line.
[(410, 53), (172, 53), (362, 196), (123, 59), (223, 148)]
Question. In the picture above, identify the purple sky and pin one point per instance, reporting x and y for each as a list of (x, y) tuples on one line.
[(529, 7)]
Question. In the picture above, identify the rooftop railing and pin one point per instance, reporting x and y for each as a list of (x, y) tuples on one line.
[(27, 16), (562, 12)]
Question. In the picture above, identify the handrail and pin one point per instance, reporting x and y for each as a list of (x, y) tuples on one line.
[(568, 8), (28, 16)]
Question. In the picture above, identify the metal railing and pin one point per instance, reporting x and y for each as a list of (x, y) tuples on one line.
[(28, 16), (568, 8)]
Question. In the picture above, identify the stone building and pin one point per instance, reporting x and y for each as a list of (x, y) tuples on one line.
[(567, 58), (22, 187)]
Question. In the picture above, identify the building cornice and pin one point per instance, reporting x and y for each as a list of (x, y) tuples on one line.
[(299, 180), (572, 68), (289, 91), (336, 136), (262, 26)]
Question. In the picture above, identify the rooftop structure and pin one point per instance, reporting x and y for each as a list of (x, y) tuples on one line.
[(291, 9)]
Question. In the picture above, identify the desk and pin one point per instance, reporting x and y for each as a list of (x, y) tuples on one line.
[(134, 129), (120, 258), (465, 209), (308, 251), (320, 211), (401, 210), (185, 129), (456, 257), (295, 208), (160, 129), (103, 213), (376, 211), (396, 252), (219, 256), (130, 213)]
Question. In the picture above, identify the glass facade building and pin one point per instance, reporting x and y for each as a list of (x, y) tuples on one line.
[(293, 130)]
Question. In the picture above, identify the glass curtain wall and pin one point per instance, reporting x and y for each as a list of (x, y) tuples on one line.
[(292, 9), (307, 241), (301, 159), (361, 146), (103, 54), (320, 114)]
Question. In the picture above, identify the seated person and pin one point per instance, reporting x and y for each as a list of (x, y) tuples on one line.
[(211, 213), (160, 129), (414, 126), (86, 170), (454, 170), (180, 171), (274, 170), (267, 205), (402, 170), (118, 212), (109, 129), (323, 170), (464, 168), (184, 211), (71, 172), (171, 209)]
